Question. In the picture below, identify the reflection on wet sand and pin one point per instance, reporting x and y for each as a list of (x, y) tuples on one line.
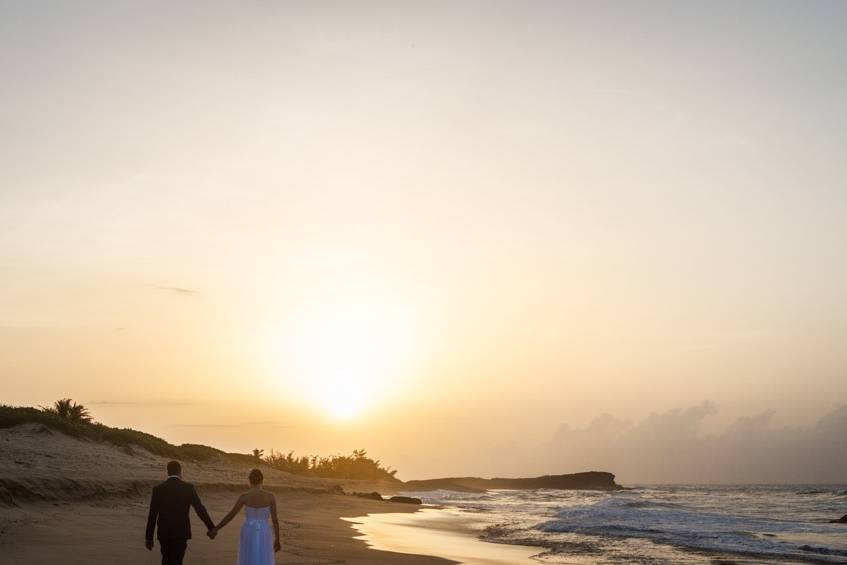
[(438, 532)]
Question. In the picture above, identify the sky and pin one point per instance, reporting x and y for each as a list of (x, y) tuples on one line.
[(480, 238)]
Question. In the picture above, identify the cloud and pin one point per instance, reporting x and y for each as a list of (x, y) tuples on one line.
[(273, 425), (138, 403), (671, 447), (178, 289)]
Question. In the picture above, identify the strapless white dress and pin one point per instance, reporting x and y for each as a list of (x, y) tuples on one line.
[(256, 546)]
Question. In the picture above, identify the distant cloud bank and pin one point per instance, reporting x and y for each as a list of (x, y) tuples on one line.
[(671, 447)]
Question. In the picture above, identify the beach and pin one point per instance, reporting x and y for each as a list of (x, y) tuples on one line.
[(112, 531), (77, 502)]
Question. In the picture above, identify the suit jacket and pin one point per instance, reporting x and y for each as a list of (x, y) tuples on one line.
[(169, 506)]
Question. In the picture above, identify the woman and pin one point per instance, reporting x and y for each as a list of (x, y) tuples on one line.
[(255, 546)]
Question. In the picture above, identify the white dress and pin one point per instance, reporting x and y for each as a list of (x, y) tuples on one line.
[(256, 546)]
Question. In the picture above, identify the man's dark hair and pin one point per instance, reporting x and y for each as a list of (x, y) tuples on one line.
[(174, 468), (256, 477)]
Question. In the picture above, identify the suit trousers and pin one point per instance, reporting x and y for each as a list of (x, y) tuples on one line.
[(173, 551)]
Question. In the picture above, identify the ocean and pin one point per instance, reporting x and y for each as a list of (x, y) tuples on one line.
[(664, 524)]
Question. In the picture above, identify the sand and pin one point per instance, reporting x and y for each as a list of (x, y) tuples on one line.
[(446, 532), (66, 501), (112, 531), (46, 461)]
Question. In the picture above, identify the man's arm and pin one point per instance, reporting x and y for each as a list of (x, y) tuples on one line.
[(200, 509), (151, 519)]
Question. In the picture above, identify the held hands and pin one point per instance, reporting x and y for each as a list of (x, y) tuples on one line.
[(212, 533)]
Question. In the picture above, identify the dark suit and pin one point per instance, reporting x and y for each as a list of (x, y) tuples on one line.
[(169, 506)]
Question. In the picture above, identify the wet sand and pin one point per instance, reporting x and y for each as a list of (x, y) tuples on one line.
[(439, 532)]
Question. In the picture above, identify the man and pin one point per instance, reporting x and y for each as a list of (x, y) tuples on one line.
[(169, 506)]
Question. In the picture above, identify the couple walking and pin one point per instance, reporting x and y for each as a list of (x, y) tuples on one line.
[(169, 509)]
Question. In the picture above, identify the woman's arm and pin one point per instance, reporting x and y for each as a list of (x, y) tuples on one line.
[(232, 513), (275, 519)]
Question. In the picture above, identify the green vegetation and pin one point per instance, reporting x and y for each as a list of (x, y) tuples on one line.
[(14, 416), (67, 409), (85, 428), (75, 420), (288, 462), (355, 466)]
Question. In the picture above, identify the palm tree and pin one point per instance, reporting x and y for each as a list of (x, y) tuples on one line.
[(258, 453), (67, 409), (79, 413), (62, 408)]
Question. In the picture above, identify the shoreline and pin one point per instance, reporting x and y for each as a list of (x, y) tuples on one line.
[(442, 532)]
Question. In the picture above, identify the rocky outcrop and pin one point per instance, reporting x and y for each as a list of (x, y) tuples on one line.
[(405, 499), (591, 480), (370, 495), (842, 520)]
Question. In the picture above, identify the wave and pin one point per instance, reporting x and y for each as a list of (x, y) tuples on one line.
[(665, 524), (680, 526), (817, 492)]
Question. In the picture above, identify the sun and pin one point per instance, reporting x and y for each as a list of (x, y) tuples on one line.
[(345, 356)]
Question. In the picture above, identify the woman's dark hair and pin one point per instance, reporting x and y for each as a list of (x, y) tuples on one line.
[(256, 477)]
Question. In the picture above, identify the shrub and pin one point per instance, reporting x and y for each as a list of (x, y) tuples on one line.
[(355, 466)]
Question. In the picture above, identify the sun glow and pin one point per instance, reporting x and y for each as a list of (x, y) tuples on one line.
[(346, 356)]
